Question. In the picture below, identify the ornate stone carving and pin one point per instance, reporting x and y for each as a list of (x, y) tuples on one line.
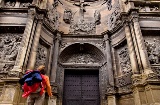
[(136, 79), (6, 67), (113, 18), (42, 54), (23, 5), (125, 89), (110, 90), (83, 27), (123, 80), (10, 4), (81, 6), (153, 50), (13, 74), (148, 8), (156, 69), (67, 16), (124, 61), (9, 46), (97, 17), (53, 17), (83, 58)]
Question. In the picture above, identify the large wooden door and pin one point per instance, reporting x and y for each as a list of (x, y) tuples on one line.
[(81, 87)]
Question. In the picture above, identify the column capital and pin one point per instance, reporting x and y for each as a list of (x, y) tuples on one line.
[(39, 16), (134, 16), (31, 13), (106, 38)]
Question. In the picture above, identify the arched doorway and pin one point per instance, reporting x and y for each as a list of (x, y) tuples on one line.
[(80, 74)]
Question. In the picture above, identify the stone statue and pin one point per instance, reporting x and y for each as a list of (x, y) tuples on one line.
[(82, 6), (97, 17), (67, 16)]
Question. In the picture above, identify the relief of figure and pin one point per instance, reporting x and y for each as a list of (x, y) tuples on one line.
[(97, 17), (9, 47), (124, 61), (153, 51), (67, 16), (82, 6)]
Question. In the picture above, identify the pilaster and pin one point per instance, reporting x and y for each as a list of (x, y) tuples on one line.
[(132, 54), (35, 43), (140, 43), (25, 40), (55, 57), (109, 60)]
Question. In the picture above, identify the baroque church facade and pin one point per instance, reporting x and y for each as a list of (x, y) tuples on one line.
[(96, 52)]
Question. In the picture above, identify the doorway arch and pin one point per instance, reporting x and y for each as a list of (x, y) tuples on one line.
[(81, 57)]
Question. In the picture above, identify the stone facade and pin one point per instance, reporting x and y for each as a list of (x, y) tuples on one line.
[(119, 38)]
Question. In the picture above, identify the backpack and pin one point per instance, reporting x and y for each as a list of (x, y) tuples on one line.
[(31, 77), (31, 82)]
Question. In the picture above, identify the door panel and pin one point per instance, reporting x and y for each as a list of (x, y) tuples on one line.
[(81, 87)]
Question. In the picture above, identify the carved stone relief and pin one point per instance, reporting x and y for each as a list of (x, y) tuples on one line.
[(124, 61), (9, 45), (152, 46), (23, 5), (97, 17), (67, 16), (113, 18), (148, 8), (83, 27), (124, 83), (53, 16), (83, 58), (42, 54), (10, 4)]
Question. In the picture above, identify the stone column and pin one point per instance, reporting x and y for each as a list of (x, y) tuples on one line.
[(136, 47), (35, 43), (25, 40), (131, 50), (109, 60), (141, 46), (55, 58)]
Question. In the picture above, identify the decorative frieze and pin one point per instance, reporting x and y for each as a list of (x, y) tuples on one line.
[(148, 8), (83, 27), (10, 4), (82, 58)]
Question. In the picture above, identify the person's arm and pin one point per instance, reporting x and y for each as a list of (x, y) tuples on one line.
[(49, 91)]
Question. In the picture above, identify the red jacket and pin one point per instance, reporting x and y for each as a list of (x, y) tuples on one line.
[(30, 89)]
